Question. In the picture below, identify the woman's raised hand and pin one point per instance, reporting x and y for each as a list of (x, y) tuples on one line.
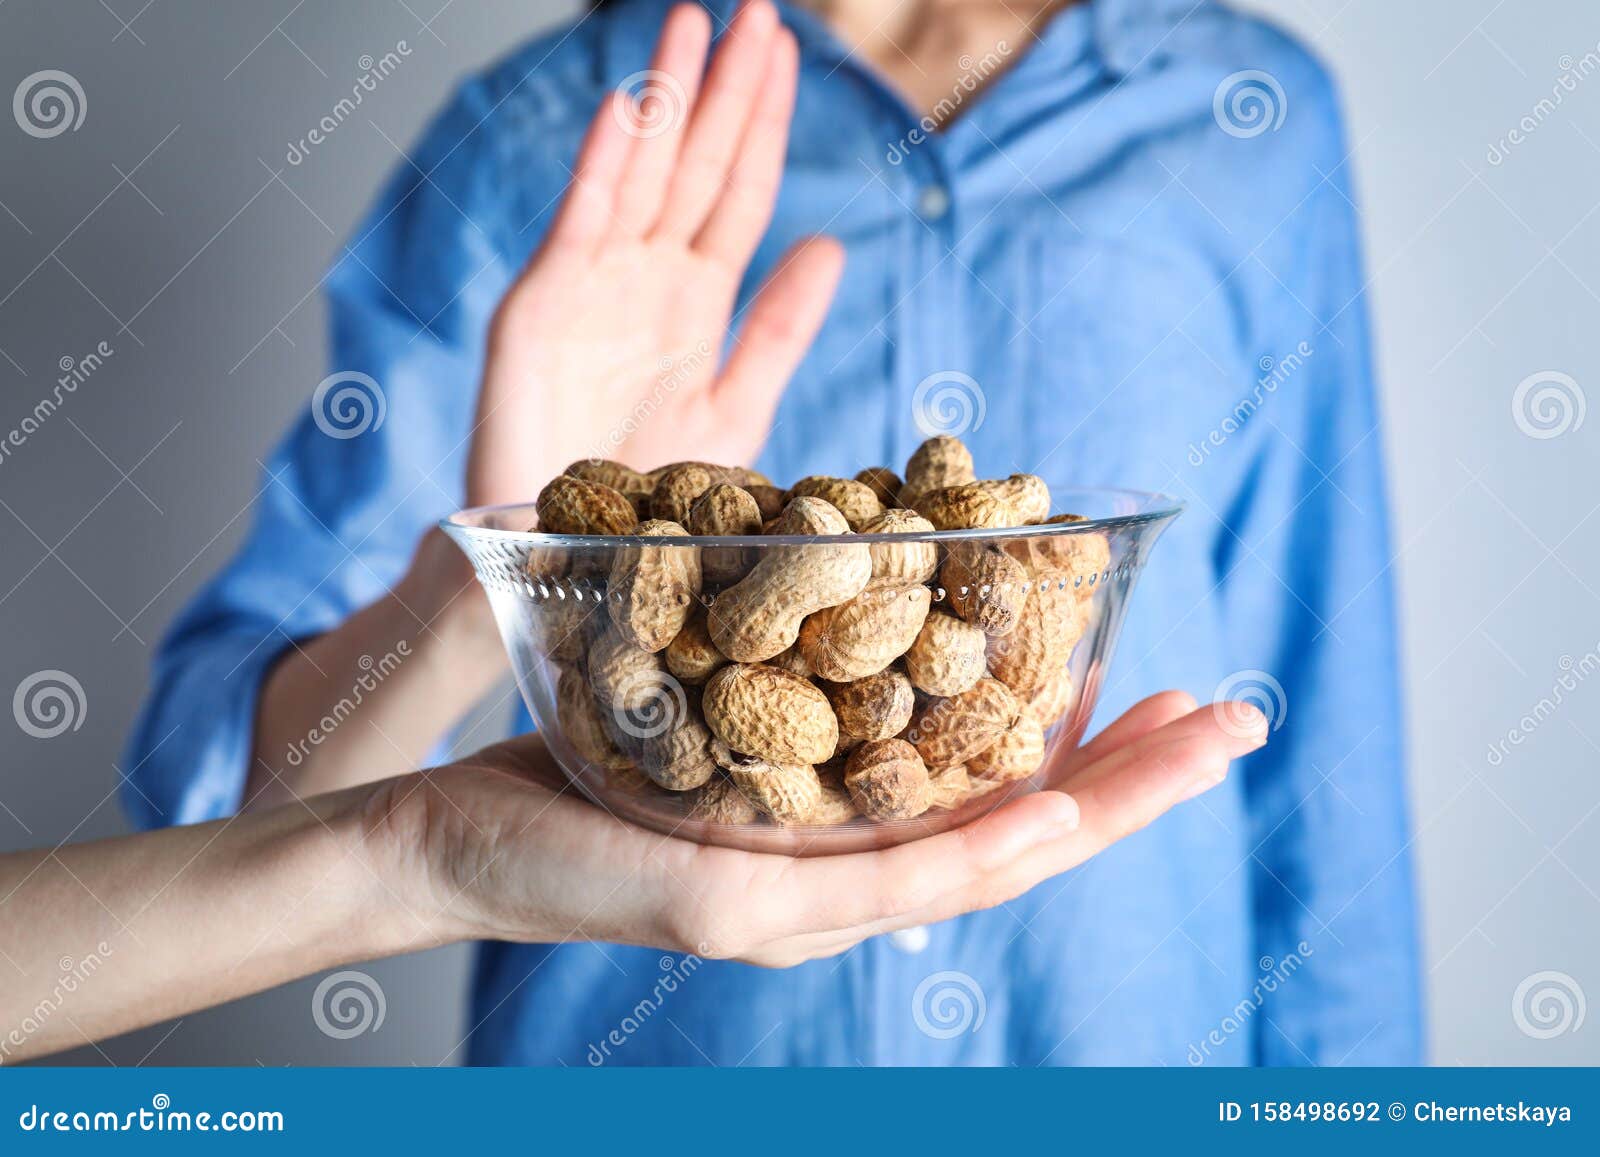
[(610, 343)]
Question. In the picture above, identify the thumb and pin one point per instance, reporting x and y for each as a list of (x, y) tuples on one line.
[(783, 320)]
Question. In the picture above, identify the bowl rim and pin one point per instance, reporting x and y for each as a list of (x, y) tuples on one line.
[(1159, 507)]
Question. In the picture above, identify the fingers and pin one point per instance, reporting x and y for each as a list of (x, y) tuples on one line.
[(1142, 718), (658, 120), (783, 320), (741, 215), (717, 128), (1130, 788), (587, 214), (833, 894)]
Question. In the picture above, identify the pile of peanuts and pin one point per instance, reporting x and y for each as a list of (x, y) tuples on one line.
[(812, 684)]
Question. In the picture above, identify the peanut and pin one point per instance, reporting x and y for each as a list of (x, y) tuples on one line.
[(788, 792), (915, 562), (771, 714), (968, 506), (949, 787), (883, 482), (1048, 628), (676, 489), (652, 588), (719, 802), (625, 480), (988, 588), (876, 707), (1073, 557), (855, 500), (760, 616), (947, 656), (725, 510), (1054, 698), (624, 676), (679, 757), (770, 499), (953, 730), (569, 505), (888, 780), (1016, 754), (864, 635), (578, 716), (692, 656), (938, 462)]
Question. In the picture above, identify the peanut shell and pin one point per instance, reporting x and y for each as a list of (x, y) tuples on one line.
[(888, 780), (789, 793), (692, 656), (653, 588), (876, 707), (915, 562), (988, 588), (719, 802), (883, 482), (578, 716), (569, 505), (864, 635), (771, 714), (725, 510), (855, 500), (953, 730), (1015, 755), (947, 656)]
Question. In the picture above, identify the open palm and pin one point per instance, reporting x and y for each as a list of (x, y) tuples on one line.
[(609, 343)]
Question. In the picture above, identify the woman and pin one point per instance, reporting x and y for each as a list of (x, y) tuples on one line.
[(1062, 206)]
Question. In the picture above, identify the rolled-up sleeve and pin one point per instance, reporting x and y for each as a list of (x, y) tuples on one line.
[(376, 457)]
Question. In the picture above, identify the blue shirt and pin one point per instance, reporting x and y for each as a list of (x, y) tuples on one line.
[(1154, 286)]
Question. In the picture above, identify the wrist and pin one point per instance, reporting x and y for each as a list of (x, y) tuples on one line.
[(391, 849), (440, 590)]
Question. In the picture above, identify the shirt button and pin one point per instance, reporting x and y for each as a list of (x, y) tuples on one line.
[(933, 202), (910, 940)]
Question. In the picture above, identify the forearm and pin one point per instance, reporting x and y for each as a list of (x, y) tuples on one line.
[(104, 937), (374, 697)]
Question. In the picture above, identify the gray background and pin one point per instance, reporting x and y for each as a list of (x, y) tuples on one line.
[(160, 227)]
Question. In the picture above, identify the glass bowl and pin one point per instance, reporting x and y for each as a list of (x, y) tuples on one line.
[(614, 641)]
